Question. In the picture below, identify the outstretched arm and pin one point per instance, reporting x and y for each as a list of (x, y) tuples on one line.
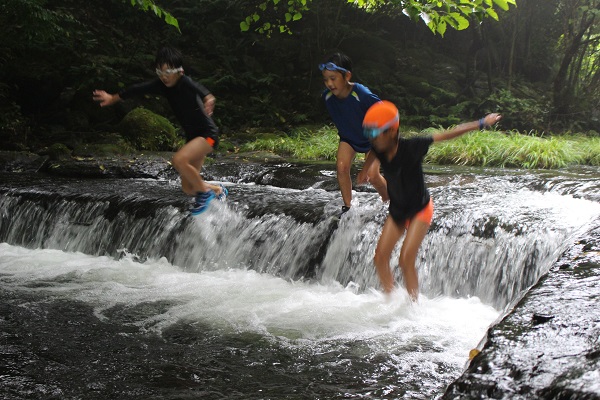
[(105, 99), (461, 129)]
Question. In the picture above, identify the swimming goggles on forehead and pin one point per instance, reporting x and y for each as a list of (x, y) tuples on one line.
[(169, 71), (371, 132), (331, 67)]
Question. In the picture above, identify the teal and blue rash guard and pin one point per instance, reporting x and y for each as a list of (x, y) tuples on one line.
[(405, 179), (185, 99), (348, 114)]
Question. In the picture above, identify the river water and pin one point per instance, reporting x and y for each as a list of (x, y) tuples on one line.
[(110, 290)]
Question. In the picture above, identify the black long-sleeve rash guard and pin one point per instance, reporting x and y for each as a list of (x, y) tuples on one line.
[(185, 99)]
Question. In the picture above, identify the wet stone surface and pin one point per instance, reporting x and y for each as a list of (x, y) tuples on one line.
[(548, 347), (154, 165)]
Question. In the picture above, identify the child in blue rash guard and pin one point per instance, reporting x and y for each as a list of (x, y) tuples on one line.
[(193, 106), (347, 103), (411, 206)]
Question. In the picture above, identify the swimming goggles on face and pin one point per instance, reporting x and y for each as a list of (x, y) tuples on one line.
[(169, 71), (331, 67), (371, 132)]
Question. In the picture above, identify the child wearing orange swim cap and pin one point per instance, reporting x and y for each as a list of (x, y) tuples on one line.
[(411, 206)]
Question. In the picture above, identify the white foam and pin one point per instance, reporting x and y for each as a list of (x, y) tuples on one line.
[(295, 313)]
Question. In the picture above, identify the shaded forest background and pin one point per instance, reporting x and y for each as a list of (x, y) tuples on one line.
[(539, 65)]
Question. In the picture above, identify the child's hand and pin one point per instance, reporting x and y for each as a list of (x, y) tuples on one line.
[(105, 99), (491, 119)]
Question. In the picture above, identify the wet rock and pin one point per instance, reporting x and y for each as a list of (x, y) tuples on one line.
[(541, 318), (547, 346), (15, 161), (138, 166)]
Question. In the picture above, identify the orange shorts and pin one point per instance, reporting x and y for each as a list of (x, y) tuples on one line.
[(210, 141), (425, 215)]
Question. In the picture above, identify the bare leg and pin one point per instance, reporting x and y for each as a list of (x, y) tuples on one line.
[(408, 255), (377, 180), (345, 156), (390, 235), (188, 162), (186, 187)]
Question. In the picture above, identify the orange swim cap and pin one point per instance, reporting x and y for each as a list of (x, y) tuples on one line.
[(380, 117)]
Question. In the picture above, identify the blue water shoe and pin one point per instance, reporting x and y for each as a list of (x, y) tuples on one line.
[(224, 193), (202, 201)]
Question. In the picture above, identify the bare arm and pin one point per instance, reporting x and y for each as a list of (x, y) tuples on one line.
[(209, 104), (362, 177), (105, 99), (461, 129)]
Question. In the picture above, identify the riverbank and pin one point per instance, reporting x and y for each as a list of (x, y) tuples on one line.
[(480, 148), (492, 148)]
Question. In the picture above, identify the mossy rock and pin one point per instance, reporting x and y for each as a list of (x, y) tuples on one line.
[(58, 151), (146, 130)]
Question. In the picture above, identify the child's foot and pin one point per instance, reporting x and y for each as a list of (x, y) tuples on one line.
[(202, 201), (345, 209), (224, 193)]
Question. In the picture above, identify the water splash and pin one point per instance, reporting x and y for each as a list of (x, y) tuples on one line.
[(492, 236)]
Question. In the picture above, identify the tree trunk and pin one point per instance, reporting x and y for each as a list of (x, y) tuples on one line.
[(562, 89)]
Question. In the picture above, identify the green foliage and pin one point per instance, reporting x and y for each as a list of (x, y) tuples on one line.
[(438, 15), (54, 53), (588, 149), (148, 131), (302, 143), (534, 152), (496, 149), (158, 11), (276, 16), (522, 113), (487, 148), (32, 22), (14, 129)]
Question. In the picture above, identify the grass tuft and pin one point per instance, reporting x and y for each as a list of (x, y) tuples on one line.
[(302, 143), (479, 148), (512, 149)]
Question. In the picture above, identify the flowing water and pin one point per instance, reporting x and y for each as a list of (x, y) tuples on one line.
[(110, 290)]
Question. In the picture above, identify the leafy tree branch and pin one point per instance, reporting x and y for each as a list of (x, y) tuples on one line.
[(146, 5), (438, 15)]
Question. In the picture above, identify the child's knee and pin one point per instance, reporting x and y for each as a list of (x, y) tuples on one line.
[(343, 168), (406, 260), (178, 160)]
